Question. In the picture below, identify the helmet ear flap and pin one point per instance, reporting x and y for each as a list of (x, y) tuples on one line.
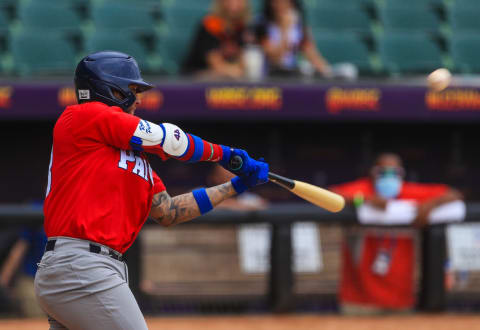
[(104, 93)]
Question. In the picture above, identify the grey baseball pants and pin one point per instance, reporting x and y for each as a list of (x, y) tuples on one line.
[(82, 290)]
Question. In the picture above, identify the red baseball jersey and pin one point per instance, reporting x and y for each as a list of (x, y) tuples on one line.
[(360, 283), (98, 189)]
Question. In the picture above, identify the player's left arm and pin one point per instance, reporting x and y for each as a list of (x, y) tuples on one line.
[(169, 211)]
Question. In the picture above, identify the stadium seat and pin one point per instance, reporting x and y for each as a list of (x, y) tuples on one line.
[(62, 2), (465, 49), (345, 47), (4, 31), (409, 53), (256, 7), (464, 19), (50, 54), (123, 15), (123, 42), (204, 5), (4, 24), (38, 15), (466, 4), (312, 4), (9, 7), (182, 19), (339, 19), (410, 18), (392, 4), (173, 50)]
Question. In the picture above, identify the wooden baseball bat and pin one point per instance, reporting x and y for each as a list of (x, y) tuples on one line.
[(315, 195)]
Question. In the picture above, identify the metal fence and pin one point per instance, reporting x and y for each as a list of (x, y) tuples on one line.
[(278, 293)]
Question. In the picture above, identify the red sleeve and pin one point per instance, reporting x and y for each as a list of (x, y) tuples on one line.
[(350, 189), (422, 192), (158, 185), (197, 150), (99, 122)]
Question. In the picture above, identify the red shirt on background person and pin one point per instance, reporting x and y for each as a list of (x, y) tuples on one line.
[(381, 273), (217, 48)]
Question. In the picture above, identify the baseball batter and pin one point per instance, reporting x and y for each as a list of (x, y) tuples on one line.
[(101, 189)]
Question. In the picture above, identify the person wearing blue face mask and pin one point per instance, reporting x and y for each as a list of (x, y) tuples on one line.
[(378, 266), (388, 184)]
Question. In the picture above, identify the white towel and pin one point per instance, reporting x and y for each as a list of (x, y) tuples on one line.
[(402, 212)]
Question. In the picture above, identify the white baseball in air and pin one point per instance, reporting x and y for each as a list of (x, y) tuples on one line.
[(439, 79)]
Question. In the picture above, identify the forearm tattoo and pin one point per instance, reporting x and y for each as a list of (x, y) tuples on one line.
[(169, 211)]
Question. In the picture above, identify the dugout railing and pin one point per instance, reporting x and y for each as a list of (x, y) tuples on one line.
[(431, 291)]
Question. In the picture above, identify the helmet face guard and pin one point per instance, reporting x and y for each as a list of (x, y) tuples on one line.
[(100, 74)]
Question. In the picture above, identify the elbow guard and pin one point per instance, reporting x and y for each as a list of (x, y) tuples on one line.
[(170, 137)]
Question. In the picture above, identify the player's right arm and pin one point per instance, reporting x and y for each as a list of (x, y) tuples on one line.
[(169, 140)]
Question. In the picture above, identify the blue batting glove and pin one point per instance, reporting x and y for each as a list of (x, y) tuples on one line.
[(248, 165), (258, 176)]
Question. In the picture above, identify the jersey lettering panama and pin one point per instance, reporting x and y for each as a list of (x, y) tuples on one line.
[(142, 168)]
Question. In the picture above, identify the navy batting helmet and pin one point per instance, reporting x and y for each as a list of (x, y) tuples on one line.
[(99, 74)]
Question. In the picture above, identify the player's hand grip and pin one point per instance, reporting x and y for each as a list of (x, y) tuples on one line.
[(236, 163)]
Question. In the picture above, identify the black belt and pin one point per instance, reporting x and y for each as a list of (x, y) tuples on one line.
[(93, 248)]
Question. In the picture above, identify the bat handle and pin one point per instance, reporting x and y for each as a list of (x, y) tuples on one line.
[(281, 180), (236, 163)]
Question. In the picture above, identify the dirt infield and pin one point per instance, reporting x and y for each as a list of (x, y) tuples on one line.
[(294, 322)]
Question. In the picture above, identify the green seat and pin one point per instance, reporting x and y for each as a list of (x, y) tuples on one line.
[(173, 50), (184, 19), (339, 19), (409, 53), (123, 15), (4, 23), (256, 7), (312, 4), (123, 42), (393, 4), (466, 4), (46, 55), (465, 49), (410, 18), (345, 47), (203, 5), (4, 31), (61, 2), (464, 19), (39, 15)]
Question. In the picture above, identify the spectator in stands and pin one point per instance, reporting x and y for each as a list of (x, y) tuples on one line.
[(283, 35), (217, 49), (377, 266), (25, 253)]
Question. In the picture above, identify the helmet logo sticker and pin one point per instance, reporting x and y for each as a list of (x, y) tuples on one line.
[(176, 133), (84, 94)]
